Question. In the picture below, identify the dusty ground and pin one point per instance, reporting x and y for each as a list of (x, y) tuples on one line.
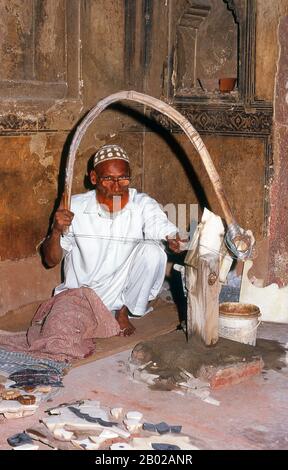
[(170, 353), (251, 415)]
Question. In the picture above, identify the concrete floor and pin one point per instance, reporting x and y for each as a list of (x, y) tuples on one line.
[(251, 415)]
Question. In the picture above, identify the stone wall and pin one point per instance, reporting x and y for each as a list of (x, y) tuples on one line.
[(279, 191), (239, 150), (267, 46), (81, 51), (47, 82)]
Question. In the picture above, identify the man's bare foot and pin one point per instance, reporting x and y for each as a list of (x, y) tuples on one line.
[(121, 316)]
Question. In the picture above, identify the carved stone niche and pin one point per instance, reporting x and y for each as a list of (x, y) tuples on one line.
[(207, 37)]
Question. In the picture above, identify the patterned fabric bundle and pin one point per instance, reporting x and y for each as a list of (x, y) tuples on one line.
[(34, 377), (12, 361), (64, 327)]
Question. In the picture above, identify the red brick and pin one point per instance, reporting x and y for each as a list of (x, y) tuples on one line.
[(230, 375)]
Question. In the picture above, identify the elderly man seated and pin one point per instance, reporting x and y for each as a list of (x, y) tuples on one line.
[(111, 240)]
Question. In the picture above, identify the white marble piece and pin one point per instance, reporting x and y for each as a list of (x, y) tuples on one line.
[(14, 409), (104, 436), (201, 393), (55, 412), (85, 444), (93, 409), (18, 414), (212, 401), (144, 376), (208, 237), (67, 418), (136, 415), (26, 447), (271, 300), (193, 382), (116, 412), (88, 404), (132, 425), (212, 232), (95, 413), (91, 429), (62, 434), (121, 432), (187, 374)]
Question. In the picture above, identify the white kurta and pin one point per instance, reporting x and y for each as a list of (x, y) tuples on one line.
[(107, 252)]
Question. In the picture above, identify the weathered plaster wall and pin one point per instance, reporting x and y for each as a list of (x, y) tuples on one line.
[(29, 168), (268, 16), (29, 179), (239, 161), (103, 48), (25, 281), (271, 83), (35, 122), (103, 56), (279, 191)]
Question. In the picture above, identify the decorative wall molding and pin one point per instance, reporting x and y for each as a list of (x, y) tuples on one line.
[(222, 121), (15, 122)]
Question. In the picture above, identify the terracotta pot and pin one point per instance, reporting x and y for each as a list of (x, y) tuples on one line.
[(227, 84)]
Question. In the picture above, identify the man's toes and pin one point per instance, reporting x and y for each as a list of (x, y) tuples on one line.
[(129, 331)]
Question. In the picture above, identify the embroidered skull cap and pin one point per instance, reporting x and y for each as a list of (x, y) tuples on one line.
[(110, 152)]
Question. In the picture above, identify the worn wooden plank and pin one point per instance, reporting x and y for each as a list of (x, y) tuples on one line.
[(162, 320), (203, 299)]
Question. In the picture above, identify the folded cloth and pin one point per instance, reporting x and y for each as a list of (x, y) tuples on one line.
[(64, 327)]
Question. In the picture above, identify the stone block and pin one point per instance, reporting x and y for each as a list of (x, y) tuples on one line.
[(220, 377)]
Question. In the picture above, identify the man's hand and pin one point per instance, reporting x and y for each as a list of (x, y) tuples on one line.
[(176, 244), (51, 247), (62, 219)]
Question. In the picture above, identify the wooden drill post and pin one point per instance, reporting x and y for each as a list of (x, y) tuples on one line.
[(203, 299)]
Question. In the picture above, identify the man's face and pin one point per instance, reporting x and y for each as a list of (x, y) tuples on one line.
[(109, 178)]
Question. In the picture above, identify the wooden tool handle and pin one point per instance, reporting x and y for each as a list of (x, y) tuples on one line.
[(65, 199), (65, 205)]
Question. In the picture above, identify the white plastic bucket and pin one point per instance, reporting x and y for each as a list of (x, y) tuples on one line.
[(239, 322)]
